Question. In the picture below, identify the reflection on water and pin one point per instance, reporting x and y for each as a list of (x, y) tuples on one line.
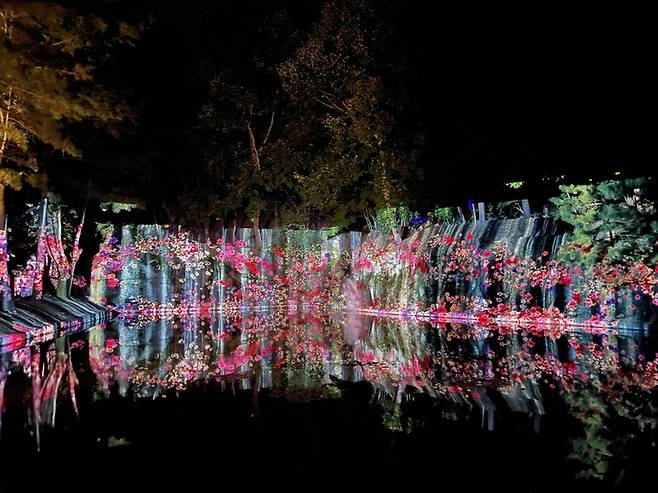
[(590, 397)]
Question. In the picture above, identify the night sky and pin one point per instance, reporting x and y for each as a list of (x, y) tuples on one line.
[(502, 95)]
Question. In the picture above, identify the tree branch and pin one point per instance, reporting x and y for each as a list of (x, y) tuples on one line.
[(5, 125), (267, 134), (332, 106), (252, 146), (21, 124)]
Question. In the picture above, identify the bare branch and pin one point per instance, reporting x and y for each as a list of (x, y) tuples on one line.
[(25, 127), (331, 105), (5, 126), (252, 146), (267, 134)]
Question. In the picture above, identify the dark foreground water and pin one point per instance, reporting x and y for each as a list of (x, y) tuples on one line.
[(318, 399)]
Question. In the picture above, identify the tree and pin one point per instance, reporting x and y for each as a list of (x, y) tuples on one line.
[(241, 123), (614, 219), (49, 56), (301, 123), (341, 79), (244, 162)]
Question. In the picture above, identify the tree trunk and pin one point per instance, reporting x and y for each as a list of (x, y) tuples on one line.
[(2, 203), (6, 295), (254, 149), (386, 186), (255, 389), (255, 221), (63, 288), (4, 119), (3, 379), (255, 155), (39, 272)]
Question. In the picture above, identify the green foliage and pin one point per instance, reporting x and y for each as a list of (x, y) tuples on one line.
[(302, 239), (392, 218), (505, 209), (444, 213), (591, 449), (30, 222), (334, 391), (117, 207), (306, 126), (105, 230), (392, 416), (578, 206), (596, 447), (245, 163), (333, 231), (336, 76), (614, 219)]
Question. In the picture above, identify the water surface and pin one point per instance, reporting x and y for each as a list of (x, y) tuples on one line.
[(327, 394)]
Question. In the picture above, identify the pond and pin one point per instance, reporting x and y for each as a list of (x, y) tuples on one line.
[(327, 393)]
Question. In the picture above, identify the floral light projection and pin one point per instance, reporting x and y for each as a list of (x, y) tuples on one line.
[(226, 274), (5, 281), (482, 328), (495, 286), (50, 255), (429, 275)]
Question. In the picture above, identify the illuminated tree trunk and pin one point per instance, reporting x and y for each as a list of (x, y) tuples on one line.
[(2, 203), (63, 288), (76, 251), (7, 299), (255, 221), (256, 152), (42, 252), (386, 185), (5, 276), (4, 121)]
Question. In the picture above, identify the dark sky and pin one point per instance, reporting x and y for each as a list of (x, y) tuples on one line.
[(553, 92), (511, 92)]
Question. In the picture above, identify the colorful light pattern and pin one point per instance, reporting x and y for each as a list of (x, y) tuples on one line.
[(383, 276)]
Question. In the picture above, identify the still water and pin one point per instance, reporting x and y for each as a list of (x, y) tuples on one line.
[(307, 395)]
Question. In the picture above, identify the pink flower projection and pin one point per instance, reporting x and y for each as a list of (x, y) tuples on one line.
[(389, 353), (485, 286)]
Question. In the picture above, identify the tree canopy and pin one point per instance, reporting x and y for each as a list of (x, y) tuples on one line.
[(307, 129), (49, 55), (614, 220), (312, 113)]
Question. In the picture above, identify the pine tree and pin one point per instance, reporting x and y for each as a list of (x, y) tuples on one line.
[(614, 219)]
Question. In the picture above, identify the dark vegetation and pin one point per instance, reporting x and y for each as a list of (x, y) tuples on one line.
[(313, 113)]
